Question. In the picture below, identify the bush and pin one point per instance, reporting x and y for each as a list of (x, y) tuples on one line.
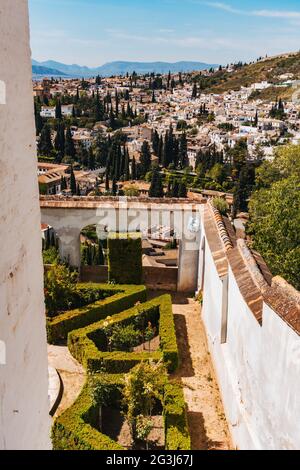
[(125, 258), (175, 419), (114, 300), (221, 205), (60, 288)]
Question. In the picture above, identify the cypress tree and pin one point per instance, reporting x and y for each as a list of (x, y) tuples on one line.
[(58, 113), (160, 149), (145, 158), (101, 260), (133, 170), (155, 142), (183, 156), (38, 119), (69, 144), (127, 170), (156, 188), (153, 97), (195, 91), (73, 185), (59, 143), (107, 181), (114, 187), (45, 146), (91, 160), (169, 80), (182, 192), (175, 189)]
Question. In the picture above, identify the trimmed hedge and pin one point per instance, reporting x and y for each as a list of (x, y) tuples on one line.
[(125, 258), (76, 429), (85, 344), (175, 419), (120, 298)]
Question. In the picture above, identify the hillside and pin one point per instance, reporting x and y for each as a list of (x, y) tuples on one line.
[(269, 69), (121, 68), (40, 70)]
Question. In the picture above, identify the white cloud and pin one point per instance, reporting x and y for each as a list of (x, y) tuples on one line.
[(283, 14)]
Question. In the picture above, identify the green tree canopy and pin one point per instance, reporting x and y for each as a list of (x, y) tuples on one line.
[(275, 227)]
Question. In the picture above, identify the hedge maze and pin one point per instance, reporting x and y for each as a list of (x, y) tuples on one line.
[(86, 330)]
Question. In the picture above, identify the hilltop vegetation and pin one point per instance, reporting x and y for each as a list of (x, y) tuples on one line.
[(244, 75)]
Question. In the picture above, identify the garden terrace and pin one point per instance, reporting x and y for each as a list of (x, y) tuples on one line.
[(89, 345), (115, 298), (78, 427)]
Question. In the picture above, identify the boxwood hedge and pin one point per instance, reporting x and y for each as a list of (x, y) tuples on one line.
[(85, 344), (117, 298), (125, 258), (175, 419), (76, 428)]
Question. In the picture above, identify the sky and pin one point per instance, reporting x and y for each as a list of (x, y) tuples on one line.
[(93, 32)]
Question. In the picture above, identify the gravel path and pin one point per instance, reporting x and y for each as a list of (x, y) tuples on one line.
[(207, 422)]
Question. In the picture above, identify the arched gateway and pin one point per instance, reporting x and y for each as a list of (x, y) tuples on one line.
[(69, 215)]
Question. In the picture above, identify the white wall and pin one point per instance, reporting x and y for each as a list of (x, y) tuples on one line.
[(24, 406), (258, 368)]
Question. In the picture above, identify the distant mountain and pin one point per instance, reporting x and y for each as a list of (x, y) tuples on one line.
[(121, 68), (40, 70)]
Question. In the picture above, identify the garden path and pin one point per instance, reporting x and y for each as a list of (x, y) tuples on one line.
[(71, 373), (207, 422)]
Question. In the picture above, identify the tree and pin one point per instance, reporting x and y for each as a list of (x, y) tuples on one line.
[(101, 258), (217, 173), (107, 181), (114, 187), (38, 119), (133, 170), (182, 192), (156, 188), (183, 156), (144, 387), (60, 287), (195, 91), (58, 113), (153, 97), (45, 146), (73, 184), (59, 143), (243, 188), (69, 144), (91, 159), (145, 158), (275, 226)]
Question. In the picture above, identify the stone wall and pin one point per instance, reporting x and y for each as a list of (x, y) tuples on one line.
[(24, 410), (156, 278)]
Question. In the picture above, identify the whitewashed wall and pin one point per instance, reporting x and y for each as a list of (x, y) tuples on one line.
[(258, 368), (24, 407)]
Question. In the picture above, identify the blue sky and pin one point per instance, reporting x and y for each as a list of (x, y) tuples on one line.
[(92, 32)]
